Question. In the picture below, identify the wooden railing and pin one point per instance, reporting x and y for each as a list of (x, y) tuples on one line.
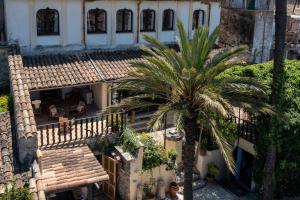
[(246, 129), (80, 129)]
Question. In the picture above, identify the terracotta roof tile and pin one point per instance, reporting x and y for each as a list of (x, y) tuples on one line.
[(8, 173), (51, 71), (70, 167), (24, 116)]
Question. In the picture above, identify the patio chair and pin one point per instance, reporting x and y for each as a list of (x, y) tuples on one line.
[(36, 105), (81, 107), (53, 111)]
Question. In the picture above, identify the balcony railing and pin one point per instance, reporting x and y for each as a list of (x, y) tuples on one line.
[(80, 129), (246, 129)]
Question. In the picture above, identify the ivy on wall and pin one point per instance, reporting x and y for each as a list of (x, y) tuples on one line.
[(287, 174)]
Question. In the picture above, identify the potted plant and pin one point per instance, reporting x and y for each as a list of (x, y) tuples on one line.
[(212, 172), (148, 192), (173, 189), (172, 165)]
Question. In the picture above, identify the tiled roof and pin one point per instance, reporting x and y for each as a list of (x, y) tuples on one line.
[(8, 174), (60, 70), (115, 65), (69, 168), (51, 71), (24, 117)]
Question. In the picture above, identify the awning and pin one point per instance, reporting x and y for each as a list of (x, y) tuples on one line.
[(70, 167)]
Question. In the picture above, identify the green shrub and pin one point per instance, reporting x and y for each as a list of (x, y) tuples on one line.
[(212, 170), (129, 141), (287, 173), (17, 193), (154, 154), (172, 154), (4, 103)]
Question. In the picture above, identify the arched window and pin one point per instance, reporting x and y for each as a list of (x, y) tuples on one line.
[(198, 18), (96, 21), (47, 21), (168, 20), (124, 20), (148, 20)]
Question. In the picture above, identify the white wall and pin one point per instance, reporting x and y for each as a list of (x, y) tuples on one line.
[(21, 22)]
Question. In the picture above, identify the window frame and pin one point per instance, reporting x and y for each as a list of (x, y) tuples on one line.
[(148, 30), (123, 22), (98, 12), (173, 14), (44, 33), (197, 22)]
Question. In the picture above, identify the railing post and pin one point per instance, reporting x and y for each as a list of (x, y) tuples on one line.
[(70, 127), (65, 131), (47, 133), (81, 129), (41, 135), (92, 124), (76, 130), (53, 134)]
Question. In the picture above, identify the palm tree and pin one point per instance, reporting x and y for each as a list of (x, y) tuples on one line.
[(276, 96), (186, 83)]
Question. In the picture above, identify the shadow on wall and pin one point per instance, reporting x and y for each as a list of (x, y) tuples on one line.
[(4, 75)]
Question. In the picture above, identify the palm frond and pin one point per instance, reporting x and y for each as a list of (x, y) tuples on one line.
[(225, 148)]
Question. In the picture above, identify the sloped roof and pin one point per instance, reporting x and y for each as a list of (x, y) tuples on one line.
[(70, 167), (50, 71), (77, 68), (25, 122), (8, 173)]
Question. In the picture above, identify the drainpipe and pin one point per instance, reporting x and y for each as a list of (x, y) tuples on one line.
[(138, 21), (83, 24)]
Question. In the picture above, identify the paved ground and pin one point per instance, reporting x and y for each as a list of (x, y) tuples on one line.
[(215, 192)]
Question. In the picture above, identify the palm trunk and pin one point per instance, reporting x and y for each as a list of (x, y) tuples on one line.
[(277, 91), (190, 128)]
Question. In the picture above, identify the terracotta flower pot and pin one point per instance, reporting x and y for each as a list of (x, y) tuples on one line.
[(173, 189), (203, 152)]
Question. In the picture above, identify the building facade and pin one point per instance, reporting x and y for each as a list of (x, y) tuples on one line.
[(249, 22), (77, 24)]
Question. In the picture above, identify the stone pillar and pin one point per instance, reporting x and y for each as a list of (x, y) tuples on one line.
[(129, 172)]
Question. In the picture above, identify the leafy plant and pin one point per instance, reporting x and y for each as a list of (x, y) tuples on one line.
[(287, 173), (148, 190), (17, 193), (4, 103), (212, 170), (154, 154), (129, 141), (172, 154)]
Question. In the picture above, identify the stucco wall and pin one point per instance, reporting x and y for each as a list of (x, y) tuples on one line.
[(21, 22)]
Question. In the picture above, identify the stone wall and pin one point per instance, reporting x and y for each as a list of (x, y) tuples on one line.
[(237, 27), (4, 75), (254, 28)]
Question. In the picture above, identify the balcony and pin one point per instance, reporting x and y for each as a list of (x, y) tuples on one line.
[(79, 130)]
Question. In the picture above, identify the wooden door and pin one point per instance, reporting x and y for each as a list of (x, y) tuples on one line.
[(110, 166)]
